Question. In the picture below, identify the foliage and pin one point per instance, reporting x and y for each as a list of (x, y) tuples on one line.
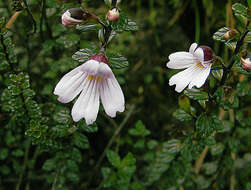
[(196, 140)]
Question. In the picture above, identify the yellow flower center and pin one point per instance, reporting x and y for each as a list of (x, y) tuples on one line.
[(91, 77), (198, 64)]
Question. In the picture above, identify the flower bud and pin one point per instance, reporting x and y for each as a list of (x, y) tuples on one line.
[(75, 16), (246, 63), (230, 34), (113, 14)]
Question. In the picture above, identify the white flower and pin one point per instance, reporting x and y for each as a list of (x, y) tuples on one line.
[(74, 16), (93, 79), (197, 61)]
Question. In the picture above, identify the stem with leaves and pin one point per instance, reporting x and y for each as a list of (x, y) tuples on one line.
[(227, 70)]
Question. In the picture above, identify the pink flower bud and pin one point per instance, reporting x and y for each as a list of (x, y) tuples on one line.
[(230, 34), (246, 63), (113, 14), (75, 16)]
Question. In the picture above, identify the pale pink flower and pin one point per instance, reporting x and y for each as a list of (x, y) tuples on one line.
[(74, 16), (95, 80), (197, 64), (113, 14)]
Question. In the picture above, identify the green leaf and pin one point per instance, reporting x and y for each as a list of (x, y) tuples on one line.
[(3, 153), (240, 11), (117, 61), (83, 55), (113, 158), (88, 27), (106, 172), (128, 164), (87, 128), (62, 116), (239, 69), (139, 130), (60, 131), (2, 23), (243, 88), (4, 65), (204, 125), (28, 93), (181, 115), (210, 168), (123, 24), (14, 90), (139, 144), (217, 149), (219, 35), (68, 40), (131, 26), (165, 154), (18, 153), (196, 94), (80, 140), (49, 165), (151, 144), (217, 74)]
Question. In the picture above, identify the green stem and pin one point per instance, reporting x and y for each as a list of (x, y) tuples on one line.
[(55, 181), (197, 21), (227, 69), (31, 16), (20, 179)]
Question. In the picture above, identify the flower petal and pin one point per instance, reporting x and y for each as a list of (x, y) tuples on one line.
[(193, 48), (181, 60), (87, 104), (183, 78), (104, 71), (112, 96), (91, 67), (67, 80), (199, 54), (91, 110), (200, 77), (73, 89)]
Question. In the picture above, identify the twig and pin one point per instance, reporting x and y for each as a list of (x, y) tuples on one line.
[(227, 70), (202, 156), (12, 19), (120, 127), (200, 160), (55, 181), (31, 16)]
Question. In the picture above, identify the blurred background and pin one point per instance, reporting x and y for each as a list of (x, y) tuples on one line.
[(46, 55)]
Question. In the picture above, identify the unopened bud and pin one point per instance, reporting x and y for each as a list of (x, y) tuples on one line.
[(113, 14), (230, 34), (75, 16), (246, 63)]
